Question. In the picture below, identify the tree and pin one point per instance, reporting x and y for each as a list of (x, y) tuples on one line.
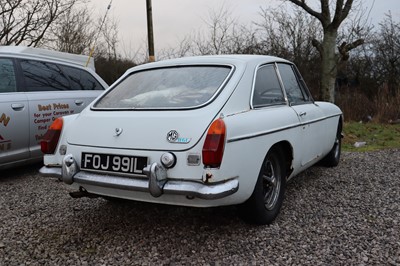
[(26, 21), (386, 49), (327, 47), (224, 35), (73, 32), (220, 26), (282, 34), (109, 36)]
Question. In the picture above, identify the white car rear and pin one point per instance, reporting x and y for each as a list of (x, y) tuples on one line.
[(202, 131)]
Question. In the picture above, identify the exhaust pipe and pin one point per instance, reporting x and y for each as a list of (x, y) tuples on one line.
[(82, 193)]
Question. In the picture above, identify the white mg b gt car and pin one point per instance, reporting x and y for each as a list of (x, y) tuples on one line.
[(197, 131)]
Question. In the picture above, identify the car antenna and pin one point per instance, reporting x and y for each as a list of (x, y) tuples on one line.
[(98, 33)]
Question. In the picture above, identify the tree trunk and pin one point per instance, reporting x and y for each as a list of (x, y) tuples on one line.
[(328, 66)]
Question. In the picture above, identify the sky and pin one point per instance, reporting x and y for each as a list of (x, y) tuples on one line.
[(175, 19)]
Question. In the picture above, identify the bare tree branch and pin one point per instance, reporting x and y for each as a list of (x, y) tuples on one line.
[(345, 48), (27, 22), (330, 60), (341, 12), (302, 4)]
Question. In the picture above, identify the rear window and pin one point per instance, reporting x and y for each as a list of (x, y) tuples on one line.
[(43, 76), (7, 76), (81, 80), (166, 88)]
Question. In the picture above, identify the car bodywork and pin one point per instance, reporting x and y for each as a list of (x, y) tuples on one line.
[(164, 147)]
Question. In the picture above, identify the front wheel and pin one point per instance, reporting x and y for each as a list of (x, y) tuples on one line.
[(333, 157), (264, 204)]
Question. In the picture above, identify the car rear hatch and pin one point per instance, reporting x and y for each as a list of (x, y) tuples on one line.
[(166, 108), (140, 130)]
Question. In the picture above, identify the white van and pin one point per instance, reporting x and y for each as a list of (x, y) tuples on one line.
[(36, 87)]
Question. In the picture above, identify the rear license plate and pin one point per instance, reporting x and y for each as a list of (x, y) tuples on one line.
[(113, 163)]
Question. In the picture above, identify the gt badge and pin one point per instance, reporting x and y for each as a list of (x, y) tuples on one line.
[(173, 137)]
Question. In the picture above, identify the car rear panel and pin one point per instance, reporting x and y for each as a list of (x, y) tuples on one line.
[(140, 130)]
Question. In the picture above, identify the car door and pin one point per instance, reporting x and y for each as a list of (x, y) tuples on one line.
[(309, 114), (54, 90), (14, 113), (268, 100)]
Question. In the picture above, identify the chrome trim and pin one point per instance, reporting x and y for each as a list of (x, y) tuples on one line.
[(278, 73), (69, 169), (259, 66), (88, 178), (279, 129), (157, 178), (202, 191), (262, 133), (156, 182), (49, 171), (186, 188), (168, 160)]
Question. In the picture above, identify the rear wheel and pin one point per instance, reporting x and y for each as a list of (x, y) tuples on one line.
[(264, 204)]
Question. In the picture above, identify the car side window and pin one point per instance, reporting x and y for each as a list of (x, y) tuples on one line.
[(7, 76), (43, 76), (294, 92), (267, 89), (81, 80)]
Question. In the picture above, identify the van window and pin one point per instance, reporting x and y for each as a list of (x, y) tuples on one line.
[(7, 76), (80, 79), (43, 76)]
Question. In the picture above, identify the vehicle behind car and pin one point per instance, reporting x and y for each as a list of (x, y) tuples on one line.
[(36, 87)]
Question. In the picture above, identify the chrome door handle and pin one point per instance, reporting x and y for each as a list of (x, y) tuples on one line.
[(17, 106), (303, 114), (79, 102)]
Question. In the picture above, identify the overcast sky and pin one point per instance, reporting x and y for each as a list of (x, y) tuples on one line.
[(175, 19)]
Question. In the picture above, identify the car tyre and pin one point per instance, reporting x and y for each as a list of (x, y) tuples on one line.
[(333, 157), (264, 204)]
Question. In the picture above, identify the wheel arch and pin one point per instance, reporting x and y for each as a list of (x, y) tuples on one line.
[(287, 151), (340, 126), (254, 209)]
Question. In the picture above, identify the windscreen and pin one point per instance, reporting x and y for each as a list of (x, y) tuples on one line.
[(166, 88)]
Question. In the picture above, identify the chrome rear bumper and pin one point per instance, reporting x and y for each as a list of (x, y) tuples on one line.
[(156, 182), (51, 171)]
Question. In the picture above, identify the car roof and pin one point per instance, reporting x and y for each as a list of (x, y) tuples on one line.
[(213, 59), (49, 55), (229, 57)]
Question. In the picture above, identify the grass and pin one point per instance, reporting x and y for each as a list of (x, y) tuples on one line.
[(376, 136)]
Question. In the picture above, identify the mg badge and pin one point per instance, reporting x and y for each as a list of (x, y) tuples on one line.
[(172, 136), (118, 131)]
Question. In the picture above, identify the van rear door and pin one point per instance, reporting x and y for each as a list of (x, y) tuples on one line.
[(55, 90)]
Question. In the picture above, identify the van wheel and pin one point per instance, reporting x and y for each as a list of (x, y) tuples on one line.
[(264, 204)]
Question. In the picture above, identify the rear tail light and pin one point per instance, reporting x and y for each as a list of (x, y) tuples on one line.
[(48, 144), (213, 148)]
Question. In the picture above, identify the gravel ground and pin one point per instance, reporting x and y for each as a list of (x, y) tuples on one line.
[(348, 215)]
